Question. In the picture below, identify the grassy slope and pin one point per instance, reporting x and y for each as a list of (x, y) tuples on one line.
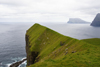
[(52, 54), (94, 41)]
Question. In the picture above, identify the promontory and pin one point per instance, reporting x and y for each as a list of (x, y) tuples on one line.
[(48, 48)]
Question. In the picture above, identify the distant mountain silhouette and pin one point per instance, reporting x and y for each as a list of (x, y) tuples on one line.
[(77, 21), (96, 21)]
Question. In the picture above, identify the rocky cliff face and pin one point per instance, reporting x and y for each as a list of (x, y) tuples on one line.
[(77, 21), (96, 21), (31, 55)]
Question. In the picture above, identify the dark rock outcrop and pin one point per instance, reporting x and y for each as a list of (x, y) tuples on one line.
[(96, 21), (62, 43), (77, 21), (17, 63)]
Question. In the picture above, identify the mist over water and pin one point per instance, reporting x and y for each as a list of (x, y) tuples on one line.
[(12, 38)]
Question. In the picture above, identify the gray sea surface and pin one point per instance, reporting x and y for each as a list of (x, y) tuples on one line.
[(78, 31), (12, 43)]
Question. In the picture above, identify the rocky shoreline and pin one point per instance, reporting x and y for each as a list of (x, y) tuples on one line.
[(17, 63)]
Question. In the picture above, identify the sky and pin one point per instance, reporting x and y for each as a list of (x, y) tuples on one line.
[(57, 11)]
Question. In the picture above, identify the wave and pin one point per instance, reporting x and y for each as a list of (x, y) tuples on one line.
[(23, 64)]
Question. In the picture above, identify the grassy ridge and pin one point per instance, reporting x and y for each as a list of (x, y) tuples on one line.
[(57, 50)]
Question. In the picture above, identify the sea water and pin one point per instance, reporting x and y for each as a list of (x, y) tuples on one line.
[(12, 43), (12, 39), (78, 31)]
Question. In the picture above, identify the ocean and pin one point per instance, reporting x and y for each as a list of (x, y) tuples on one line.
[(12, 43), (12, 38), (78, 31)]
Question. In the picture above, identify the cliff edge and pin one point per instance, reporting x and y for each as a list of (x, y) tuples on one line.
[(47, 48)]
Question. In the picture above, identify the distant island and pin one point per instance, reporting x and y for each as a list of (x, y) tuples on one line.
[(77, 21), (96, 21)]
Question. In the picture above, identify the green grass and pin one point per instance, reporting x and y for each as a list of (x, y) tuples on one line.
[(52, 54), (94, 41)]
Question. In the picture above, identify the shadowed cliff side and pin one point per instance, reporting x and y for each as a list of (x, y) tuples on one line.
[(30, 55)]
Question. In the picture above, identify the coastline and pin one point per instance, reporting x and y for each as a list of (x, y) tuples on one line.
[(16, 64)]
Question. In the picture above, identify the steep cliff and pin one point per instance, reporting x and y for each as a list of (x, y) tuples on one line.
[(47, 48), (96, 21)]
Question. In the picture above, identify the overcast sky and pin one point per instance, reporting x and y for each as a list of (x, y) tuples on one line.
[(47, 10)]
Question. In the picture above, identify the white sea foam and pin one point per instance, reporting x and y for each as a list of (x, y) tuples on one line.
[(16, 60), (8, 65), (23, 64)]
